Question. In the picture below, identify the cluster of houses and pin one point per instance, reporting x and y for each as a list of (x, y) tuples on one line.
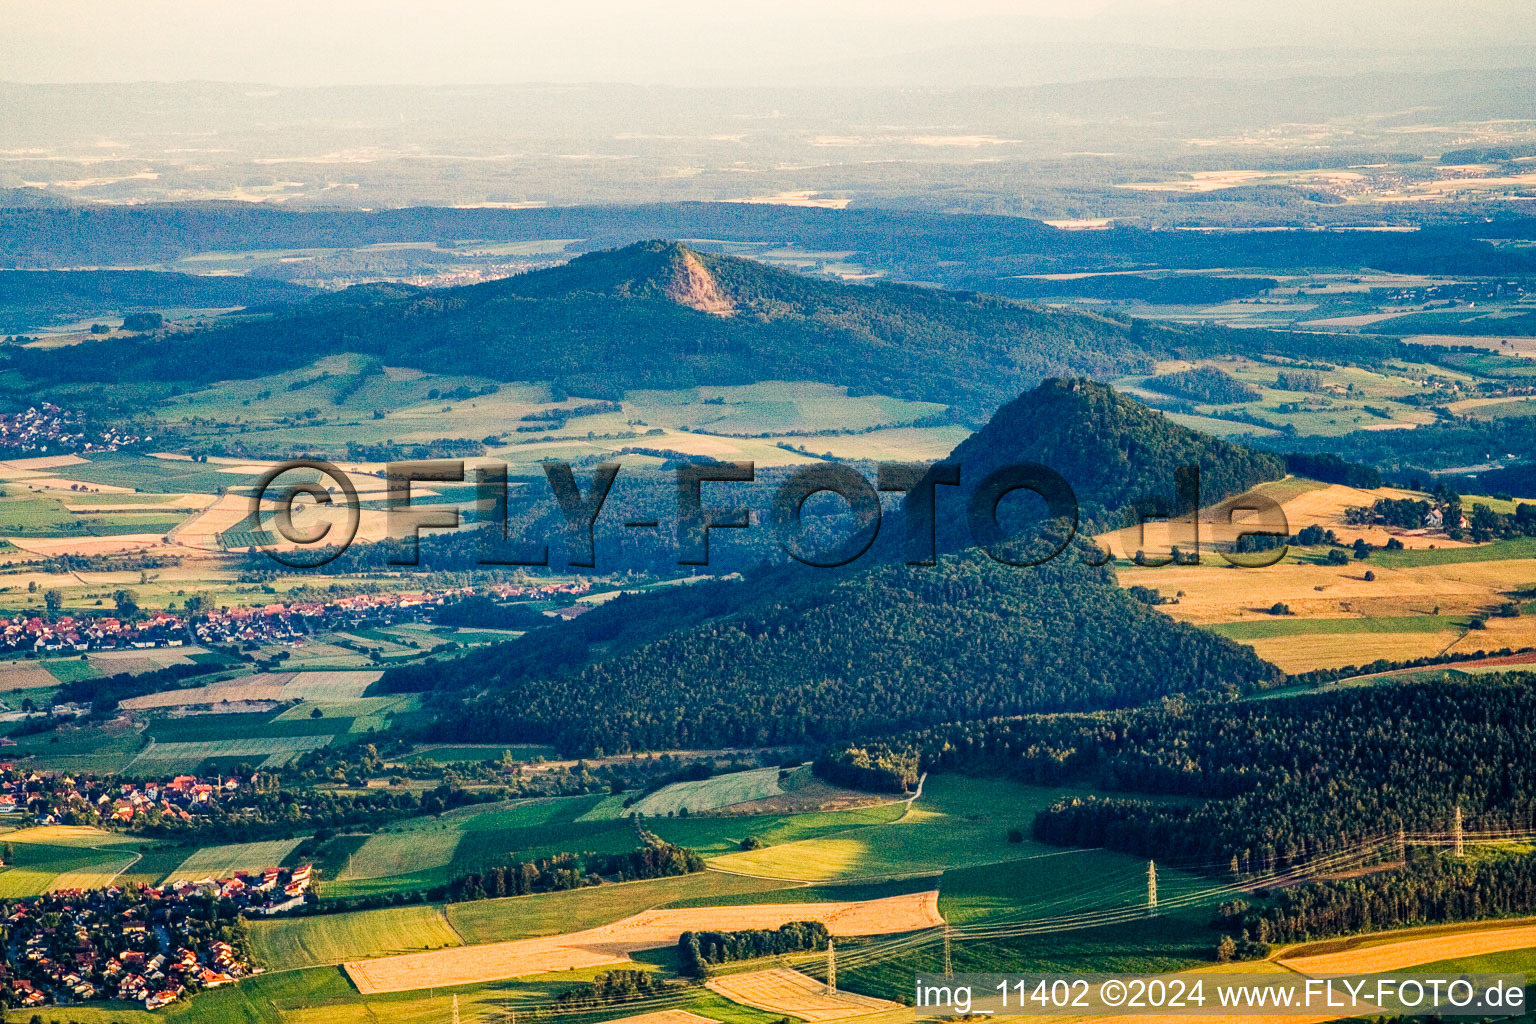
[(108, 633), (143, 944), (276, 623), (50, 429), (293, 623), (52, 798)]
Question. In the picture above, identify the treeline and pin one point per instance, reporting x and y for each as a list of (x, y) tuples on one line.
[(696, 951), (1434, 889), (285, 813), (1206, 385), (655, 859), (1444, 444), (104, 693), (613, 987), (1331, 469), (1281, 780)]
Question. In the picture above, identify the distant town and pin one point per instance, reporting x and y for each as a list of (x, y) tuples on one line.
[(290, 624)]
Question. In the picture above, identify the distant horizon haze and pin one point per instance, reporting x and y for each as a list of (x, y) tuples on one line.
[(747, 43)]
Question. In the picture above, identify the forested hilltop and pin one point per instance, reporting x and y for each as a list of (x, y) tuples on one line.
[(1284, 779), (1116, 453), (805, 658), (793, 655), (656, 315)]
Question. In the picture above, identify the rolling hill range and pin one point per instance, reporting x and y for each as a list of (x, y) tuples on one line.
[(28, 297), (655, 315), (792, 654)]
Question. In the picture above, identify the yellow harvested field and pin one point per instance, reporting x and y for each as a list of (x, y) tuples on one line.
[(1325, 507), (266, 686), (1339, 650), (1322, 505), (89, 545), (179, 503), (612, 943), (1395, 956), (44, 462), (781, 990), (664, 1017), (1215, 593), (229, 512)]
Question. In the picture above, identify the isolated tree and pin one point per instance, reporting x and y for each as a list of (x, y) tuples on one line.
[(53, 600), (127, 603)]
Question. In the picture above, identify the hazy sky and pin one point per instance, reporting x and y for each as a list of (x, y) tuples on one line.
[(319, 42)]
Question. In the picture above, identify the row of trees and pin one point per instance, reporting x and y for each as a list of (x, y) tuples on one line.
[(696, 951), (655, 859)]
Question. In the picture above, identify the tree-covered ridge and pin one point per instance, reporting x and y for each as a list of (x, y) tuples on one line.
[(1284, 779), (809, 656), (1205, 384), (629, 318), (1116, 453), (27, 296)]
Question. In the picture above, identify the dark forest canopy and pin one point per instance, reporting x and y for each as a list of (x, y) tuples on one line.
[(1205, 384), (1282, 779), (1116, 453), (807, 655)]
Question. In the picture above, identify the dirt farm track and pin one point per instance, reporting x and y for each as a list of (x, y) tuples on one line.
[(612, 943)]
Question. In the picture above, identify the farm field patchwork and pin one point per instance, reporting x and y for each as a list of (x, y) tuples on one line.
[(610, 944), (521, 917)]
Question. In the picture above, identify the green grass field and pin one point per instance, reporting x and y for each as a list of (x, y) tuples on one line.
[(1287, 626), (957, 822), (224, 861), (288, 943), (710, 794), (260, 725), (524, 917), (98, 751), (174, 758), (69, 670), (65, 858), (1497, 551)]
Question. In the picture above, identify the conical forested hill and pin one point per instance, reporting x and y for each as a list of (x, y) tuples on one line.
[(655, 315), (1115, 452), (792, 654)]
